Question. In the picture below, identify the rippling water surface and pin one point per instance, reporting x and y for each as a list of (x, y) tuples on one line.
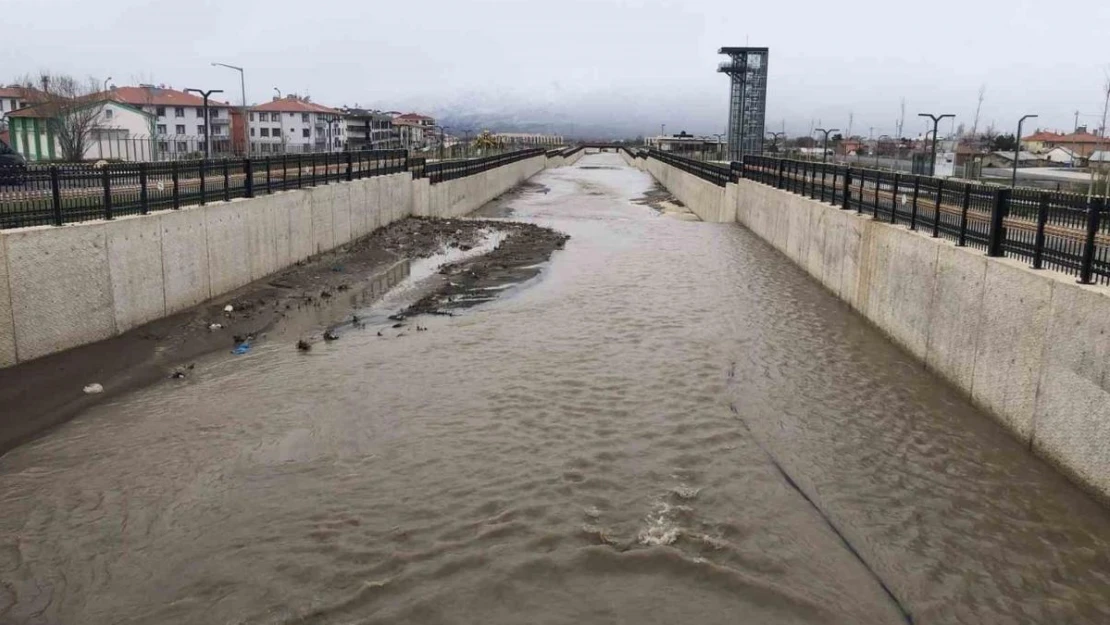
[(672, 425)]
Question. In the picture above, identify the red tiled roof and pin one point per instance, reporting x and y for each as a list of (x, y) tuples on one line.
[(413, 117), (289, 104), (1043, 135), (158, 96), (11, 92), (1059, 137)]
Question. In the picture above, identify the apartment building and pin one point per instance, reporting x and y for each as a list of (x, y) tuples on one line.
[(528, 139), (370, 130), (177, 123), (293, 124), (118, 132), (415, 131)]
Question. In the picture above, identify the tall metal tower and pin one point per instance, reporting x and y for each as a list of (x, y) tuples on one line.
[(747, 106)]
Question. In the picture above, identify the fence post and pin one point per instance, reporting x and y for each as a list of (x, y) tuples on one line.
[(300, 170), (269, 180), (56, 194), (106, 180), (878, 183), (894, 198), (998, 229), (962, 240), (203, 191), (778, 175), (847, 189), (1038, 241), (173, 180), (1094, 212), (913, 208), (144, 201), (227, 182), (248, 179), (350, 168), (936, 209)]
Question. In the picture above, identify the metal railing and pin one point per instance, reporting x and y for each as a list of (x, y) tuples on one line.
[(717, 174), (442, 171), (58, 194), (1062, 231)]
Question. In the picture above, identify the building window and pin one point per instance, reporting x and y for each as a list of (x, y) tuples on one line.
[(160, 111), (252, 117), (180, 129), (163, 147), (108, 113), (182, 146), (265, 132), (213, 113), (277, 132), (265, 147), (179, 111), (305, 132), (200, 129), (252, 132), (200, 112), (304, 118), (161, 129), (276, 117), (290, 116)]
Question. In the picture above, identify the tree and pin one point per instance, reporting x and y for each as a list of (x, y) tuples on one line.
[(1004, 143), (69, 106)]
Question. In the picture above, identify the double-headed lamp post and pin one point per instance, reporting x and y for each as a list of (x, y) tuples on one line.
[(1017, 147), (825, 144), (936, 123), (775, 137), (243, 91), (207, 130)]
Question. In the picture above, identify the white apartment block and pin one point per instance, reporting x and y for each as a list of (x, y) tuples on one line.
[(177, 123), (293, 125)]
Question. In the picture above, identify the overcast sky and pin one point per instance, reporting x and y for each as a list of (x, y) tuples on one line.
[(633, 63)]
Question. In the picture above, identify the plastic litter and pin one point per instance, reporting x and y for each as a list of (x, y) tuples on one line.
[(241, 348), (229, 308), (215, 326), (94, 388)]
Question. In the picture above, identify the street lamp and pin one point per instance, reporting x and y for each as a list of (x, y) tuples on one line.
[(936, 122), (775, 139), (1017, 147), (207, 131), (243, 90), (825, 145), (106, 83), (281, 121)]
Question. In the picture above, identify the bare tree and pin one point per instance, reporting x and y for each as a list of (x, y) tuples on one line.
[(70, 108)]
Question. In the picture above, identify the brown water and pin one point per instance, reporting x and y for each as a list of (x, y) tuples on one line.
[(673, 424)]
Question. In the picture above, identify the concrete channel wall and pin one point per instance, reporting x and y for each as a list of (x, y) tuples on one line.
[(61, 287), (1031, 348)]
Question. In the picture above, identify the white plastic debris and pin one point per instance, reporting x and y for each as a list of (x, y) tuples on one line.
[(94, 388), (215, 326), (229, 308)]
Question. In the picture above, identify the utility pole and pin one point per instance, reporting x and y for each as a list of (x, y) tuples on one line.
[(936, 123), (207, 130), (1017, 148), (901, 119), (978, 108)]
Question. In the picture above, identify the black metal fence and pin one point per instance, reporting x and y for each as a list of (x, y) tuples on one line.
[(443, 171), (719, 175), (38, 195), (1062, 231)]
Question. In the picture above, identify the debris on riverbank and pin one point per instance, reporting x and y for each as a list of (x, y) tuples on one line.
[(306, 300)]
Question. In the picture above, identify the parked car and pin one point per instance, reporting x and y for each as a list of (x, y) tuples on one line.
[(13, 167)]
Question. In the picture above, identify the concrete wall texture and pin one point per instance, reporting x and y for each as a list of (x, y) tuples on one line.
[(61, 287), (1031, 348)]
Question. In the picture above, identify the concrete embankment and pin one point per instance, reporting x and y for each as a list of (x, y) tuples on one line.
[(61, 287), (1028, 347)]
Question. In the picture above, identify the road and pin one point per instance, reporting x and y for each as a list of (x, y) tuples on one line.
[(671, 424)]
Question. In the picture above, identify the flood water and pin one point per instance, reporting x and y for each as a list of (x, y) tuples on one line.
[(672, 424)]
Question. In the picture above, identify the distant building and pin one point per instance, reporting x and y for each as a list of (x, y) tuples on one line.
[(415, 131), (1061, 156), (12, 99), (1099, 160), (177, 123), (682, 143), (293, 124), (369, 130), (119, 132), (1080, 142), (1006, 159)]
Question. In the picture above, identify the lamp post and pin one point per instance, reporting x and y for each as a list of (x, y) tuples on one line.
[(936, 122), (207, 130), (281, 121), (1017, 148), (775, 139), (825, 144), (243, 91), (106, 83)]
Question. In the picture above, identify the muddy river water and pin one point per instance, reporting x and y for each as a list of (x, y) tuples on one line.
[(671, 424)]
